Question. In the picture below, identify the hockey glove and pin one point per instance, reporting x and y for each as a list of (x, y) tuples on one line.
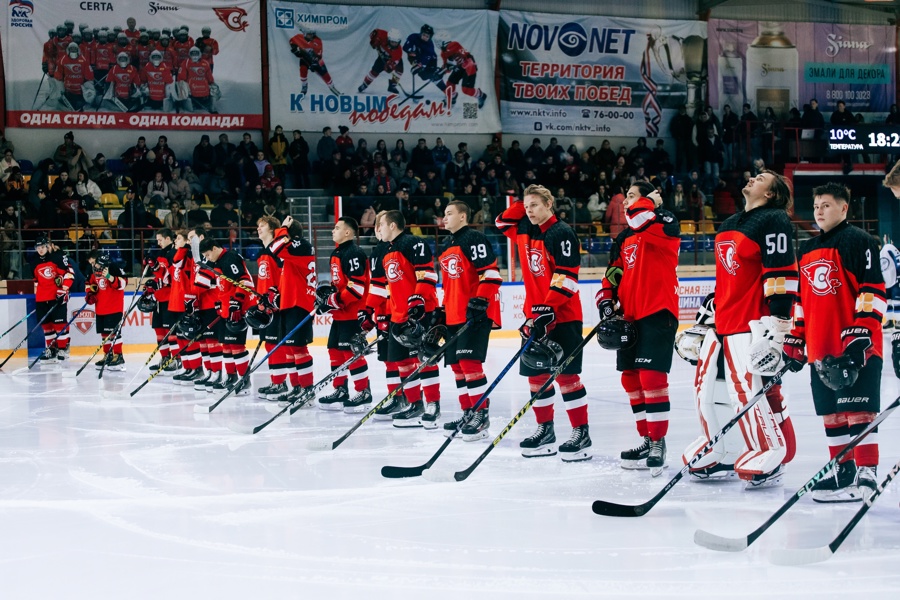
[(235, 313), (541, 324), (766, 348), (415, 308), (895, 352), (476, 310), (383, 322), (366, 319), (607, 308), (90, 297), (794, 352), (689, 342), (150, 262), (272, 298), (62, 295), (857, 343), (190, 306)]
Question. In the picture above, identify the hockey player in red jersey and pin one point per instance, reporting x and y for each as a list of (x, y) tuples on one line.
[(382, 313), (756, 283), (105, 289), (182, 46), (471, 285), (182, 309), (549, 253), (641, 278), (160, 287), (74, 71), (142, 50), (295, 297), (157, 79), (49, 55), (54, 275), (410, 281), (390, 59), (207, 300), (343, 298), (123, 78), (462, 68), (307, 46), (196, 76), (268, 277), (209, 47), (837, 330)]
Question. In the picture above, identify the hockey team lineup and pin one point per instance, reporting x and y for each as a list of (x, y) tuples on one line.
[(818, 310)]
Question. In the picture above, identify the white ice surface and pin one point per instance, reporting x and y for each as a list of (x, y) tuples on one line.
[(103, 496)]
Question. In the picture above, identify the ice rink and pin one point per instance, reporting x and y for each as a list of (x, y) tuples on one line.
[(105, 496)]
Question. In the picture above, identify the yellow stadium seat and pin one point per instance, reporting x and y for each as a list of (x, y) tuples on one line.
[(708, 227), (113, 216), (109, 200), (688, 227), (95, 218), (51, 179)]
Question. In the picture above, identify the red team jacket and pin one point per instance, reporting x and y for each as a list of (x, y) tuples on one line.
[(408, 269), (756, 272), (299, 266), (123, 79), (52, 273), (840, 286), (110, 294), (198, 76), (642, 263), (469, 270), (73, 72), (550, 259), (350, 276)]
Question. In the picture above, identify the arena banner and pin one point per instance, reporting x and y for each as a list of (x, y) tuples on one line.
[(133, 65), (597, 75), (785, 65), (382, 69)]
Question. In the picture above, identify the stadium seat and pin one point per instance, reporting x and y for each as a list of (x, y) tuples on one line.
[(708, 227), (26, 167), (688, 227), (109, 200), (113, 216), (95, 218)]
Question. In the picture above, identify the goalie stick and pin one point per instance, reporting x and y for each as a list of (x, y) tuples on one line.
[(614, 509), (400, 472), (724, 544), (805, 556)]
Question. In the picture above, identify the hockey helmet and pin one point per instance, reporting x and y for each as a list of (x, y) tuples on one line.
[(616, 334), (142, 28), (117, 30), (156, 58), (146, 303), (442, 39), (76, 37), (393, 36), (72, 50), (52, 33), (837, 372), (144, 38), (122, 39), (69, 25), (206, 31), (258, 317), (102, 262), (122, 59), (164, 40), (309, 32), (409, 334), (181, 35), (42, 241), (88, 35), (166, 31), (61, 31), (359, 343), (194, 53), (83, 26), (190, 325), (427, 30), (431, 342), (542, 355), (236, 326), (102, 36), (154, 34)]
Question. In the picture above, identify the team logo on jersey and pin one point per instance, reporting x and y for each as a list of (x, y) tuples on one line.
[(234, 17), (536, 262), (629, 255), (726, 251), (176, 275), (820, 274), (393, 271), (85, 320), (452, 266), (263, 272), (101, 284), (335, 274), (47, 272)]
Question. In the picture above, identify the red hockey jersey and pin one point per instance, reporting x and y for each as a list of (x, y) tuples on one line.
[(162, 274), (350, 276), (156, 79), (232, 266), (268, 273), (378, 280), (457, 57), (298, 273), (391, 56), (408, 269), (54, 271), (469, 270), (311, 50), (198, 76), (110, 292), (73, 72), (123, 79)]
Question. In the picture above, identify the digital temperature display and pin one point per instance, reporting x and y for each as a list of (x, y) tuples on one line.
[(863, 138)]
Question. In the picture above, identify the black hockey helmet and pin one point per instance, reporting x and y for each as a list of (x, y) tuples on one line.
[(236, 326), (102, 262), (431, 342), (146, 303), (542, 355), (837, 372), (616, 334), (42, 240), (258, 317), (427, 29), (409, 334), (190, 325)]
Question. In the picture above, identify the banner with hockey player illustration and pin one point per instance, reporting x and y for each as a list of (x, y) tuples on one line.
[(784, 65), (151, 65), (598, 75), (382, 69)]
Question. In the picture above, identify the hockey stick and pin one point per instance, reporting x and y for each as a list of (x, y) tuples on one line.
[(415, 93), (464, 474), (60, 332), (246, 378), (19, 322), (715, 542), (408, 379), (805, 556), (38, 91), (118, 330), (174, 355), (613, 509), (400, 472), (33, 329), (407, 94), (310, 393), (164, 339)]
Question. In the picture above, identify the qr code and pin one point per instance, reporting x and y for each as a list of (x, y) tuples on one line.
[(470, 110)]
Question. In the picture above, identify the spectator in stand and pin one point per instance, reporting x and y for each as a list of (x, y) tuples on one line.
[(509, 185), (709, 152), (555, 151), (421, 158), (224, 152), (10, 245), (56, 190), (299, 153), (598, 203), (893, 117), (326, 147), (640, 150), (551, 173), (332, 170), (571, 166), (260, 162), (102, 176), (136, 152), (71, 209), (48, 212), (455, 172), (491, 182), (269, 179), (5, 144), (677, 202), (204, 161), (381, 146), (277, 197), (195, 215), (346, 185), (464, 148), (225, 220), (175, 220), (247, 148), (529, 179), (361, 155), (534, 156), (696, 202), (71, 157), (400, 151), (344, 142), (273, 210), (409, 179), (188, 175), (157, 192), (218, 183), (769, 132), (583, 218), (87, 190), (495, 148), (562, 201), (730, 124), (441, 156), (606, 158), (467, 195), (615, 213), (813, 119), (367, 221), (382, 178), (515, 158), (144, 170), (748, 131), (758, 166), (378, 161), (8, 165), (278, 148), (162, 151), (433, 183), (179, 189)]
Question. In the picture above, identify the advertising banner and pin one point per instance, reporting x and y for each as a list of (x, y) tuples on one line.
[(597, 75), (139, 65), (382, 69), (785, 65)]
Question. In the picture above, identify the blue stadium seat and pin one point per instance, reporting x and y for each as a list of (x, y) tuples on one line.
[(252, 252), (26, 166), (117, 166)]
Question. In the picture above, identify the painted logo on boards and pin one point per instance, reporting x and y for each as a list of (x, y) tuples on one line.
[(84, 322)]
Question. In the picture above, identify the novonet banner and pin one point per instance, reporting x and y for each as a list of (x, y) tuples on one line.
[(133, 65), (597, 75), (382, 69)]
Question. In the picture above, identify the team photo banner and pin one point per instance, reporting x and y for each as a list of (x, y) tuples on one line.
[(133, 65), (382, 69), (597, 75), (785, 65)]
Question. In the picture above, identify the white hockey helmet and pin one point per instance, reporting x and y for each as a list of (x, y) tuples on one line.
[(122, 59), (442, 39), (72, 50), (393, 36), (156, 58), (194, 53)]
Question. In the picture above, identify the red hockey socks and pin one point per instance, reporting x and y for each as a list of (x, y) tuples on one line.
[(631, 382), (574, 399)]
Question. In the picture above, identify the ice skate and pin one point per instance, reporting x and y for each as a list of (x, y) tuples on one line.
[(477, 427), (715, 472), (431, 416), (386, 412), (656, 460), (362, 87), (452, 426), (540, 443), (636, 458), (866, 481), (766, 480), (578, 447), (838, 486), (411, 416), (275, 391), (358, 403), (335, 400), (116, 363)]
